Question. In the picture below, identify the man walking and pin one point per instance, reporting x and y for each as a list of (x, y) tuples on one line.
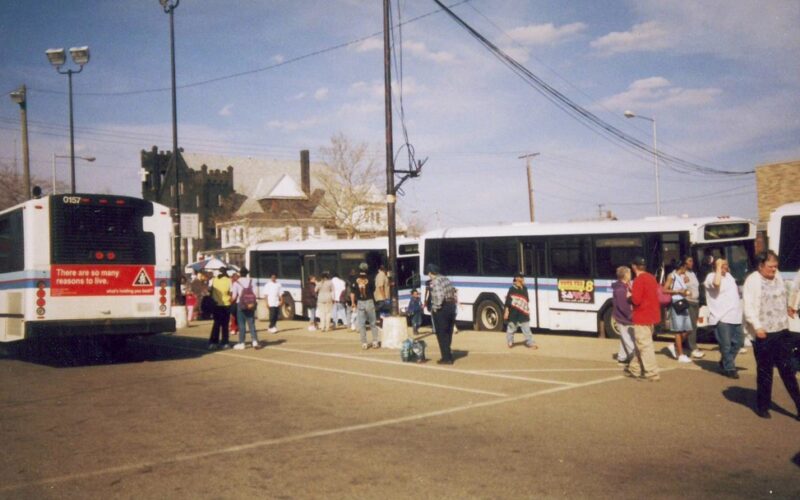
[(517, 312), (339, 301), (646, 314), (725, 311), (443, 309), (362, 295), (273, 291)]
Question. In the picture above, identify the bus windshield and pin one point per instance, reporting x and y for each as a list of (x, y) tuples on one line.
[(82, 231)]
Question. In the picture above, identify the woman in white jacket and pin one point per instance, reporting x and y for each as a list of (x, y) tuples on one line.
[(766, 316)]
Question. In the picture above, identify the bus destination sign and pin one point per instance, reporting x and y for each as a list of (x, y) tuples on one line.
[(83, 280)]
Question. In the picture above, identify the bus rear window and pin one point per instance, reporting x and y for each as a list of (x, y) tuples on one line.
[(100, 233)]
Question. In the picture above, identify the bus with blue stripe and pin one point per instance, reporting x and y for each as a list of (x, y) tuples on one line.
[(783, 235), (85, 265), (570, 267), (294, 261)]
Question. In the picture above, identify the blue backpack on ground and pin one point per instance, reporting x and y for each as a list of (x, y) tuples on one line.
[(412, 350)]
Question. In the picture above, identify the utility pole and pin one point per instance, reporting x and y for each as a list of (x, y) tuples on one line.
[(391, 197), (527, 158), (19, 96)]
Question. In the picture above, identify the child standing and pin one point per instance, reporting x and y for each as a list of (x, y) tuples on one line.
[(414, 311)]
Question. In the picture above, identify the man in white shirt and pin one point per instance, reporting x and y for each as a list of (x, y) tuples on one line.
[(273, 292), (725, 311), (339, 298)]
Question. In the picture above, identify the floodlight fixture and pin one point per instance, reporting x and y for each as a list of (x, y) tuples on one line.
[(80, 55), (57, 57)]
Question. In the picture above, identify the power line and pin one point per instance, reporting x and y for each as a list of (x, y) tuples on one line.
[(250, 71), (582, 115)]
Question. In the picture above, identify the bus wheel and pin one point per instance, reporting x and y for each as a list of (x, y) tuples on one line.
[(489, 316), (612, 327), (287, 309)]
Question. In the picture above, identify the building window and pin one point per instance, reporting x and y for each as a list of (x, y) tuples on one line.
[(219, 200), (197, 201), (181, 187)]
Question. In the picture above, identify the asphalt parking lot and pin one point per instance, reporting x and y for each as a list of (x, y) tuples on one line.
[(313, 416)]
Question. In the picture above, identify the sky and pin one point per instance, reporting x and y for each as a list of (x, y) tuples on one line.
[(269, 78)]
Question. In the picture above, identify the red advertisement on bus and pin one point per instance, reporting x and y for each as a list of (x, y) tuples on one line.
[(83, 280)]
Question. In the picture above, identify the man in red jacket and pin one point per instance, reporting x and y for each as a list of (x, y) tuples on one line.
[(646, 314)]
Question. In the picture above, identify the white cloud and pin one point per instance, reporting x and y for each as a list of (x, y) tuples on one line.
[(647, 36), (226, 110), (520, 54), (293, 126), (369, 44), (278, 58), (419, 49), (546, 34), (321, 94), (297, 97), (657, 93)]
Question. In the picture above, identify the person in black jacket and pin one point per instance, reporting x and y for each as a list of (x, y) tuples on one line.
[(517, 312)]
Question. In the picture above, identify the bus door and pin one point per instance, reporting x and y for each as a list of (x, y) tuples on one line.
[(309, 267), (532, 266)]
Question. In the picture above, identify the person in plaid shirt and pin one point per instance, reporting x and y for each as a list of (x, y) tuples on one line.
[(443, 309)]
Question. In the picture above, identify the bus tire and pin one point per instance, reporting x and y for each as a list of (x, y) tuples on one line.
[(611, 325), (287, 309), (489, 316)]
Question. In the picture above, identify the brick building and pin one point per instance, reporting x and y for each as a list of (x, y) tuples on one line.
[(776, 185)]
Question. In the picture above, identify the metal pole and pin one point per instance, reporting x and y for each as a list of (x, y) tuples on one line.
[(655, 155), (54, 173), (391, 198), (26, 157), (71, 137), (530, 182), (175, 164)]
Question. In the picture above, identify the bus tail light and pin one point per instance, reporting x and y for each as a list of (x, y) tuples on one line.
[(99, 255), (41, 301), (162, 292)]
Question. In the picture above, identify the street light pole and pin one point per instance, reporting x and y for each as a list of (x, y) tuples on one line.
[(530, 180), (169, 8), (631, 114), (57, 57), (20, 97)]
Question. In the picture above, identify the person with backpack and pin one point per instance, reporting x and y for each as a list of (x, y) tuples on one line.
[(244, 296)]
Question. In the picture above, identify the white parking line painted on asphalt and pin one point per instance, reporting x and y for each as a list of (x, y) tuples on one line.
[(420, 365), (121, 469), (553, 370)]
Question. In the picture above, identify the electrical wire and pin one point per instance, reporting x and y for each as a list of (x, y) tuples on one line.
[(584, 116)]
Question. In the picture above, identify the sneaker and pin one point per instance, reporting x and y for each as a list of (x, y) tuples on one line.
[(684, 359), (365, 346), (273, 330), (654, 378), (742, 351), (312, 328), (698, 354), (510, 345), (239, 346), (763, 413), (748, 342), (732, 375), (376, 345), (532, 345), (627, 373), (256, 345), (212, 347), (223, 347), (671, 349)]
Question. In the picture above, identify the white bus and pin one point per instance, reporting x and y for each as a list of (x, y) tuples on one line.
[(783, 236), (294, 261), (85, 265), (570, 266)]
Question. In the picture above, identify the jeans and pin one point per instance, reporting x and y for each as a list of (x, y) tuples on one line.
[(416, 321), (340, 313), (444, 319), (366, 312), (246, 320), (626, 343), (694, 312), (273, 316), (730, 340), (644, 361), (525, 326), (772, 352), (221, 318), (312, 314)]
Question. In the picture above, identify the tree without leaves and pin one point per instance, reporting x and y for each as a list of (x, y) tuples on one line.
[(13, 182), (349, 192)]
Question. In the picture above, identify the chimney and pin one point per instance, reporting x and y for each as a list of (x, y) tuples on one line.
[(305, 172)]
